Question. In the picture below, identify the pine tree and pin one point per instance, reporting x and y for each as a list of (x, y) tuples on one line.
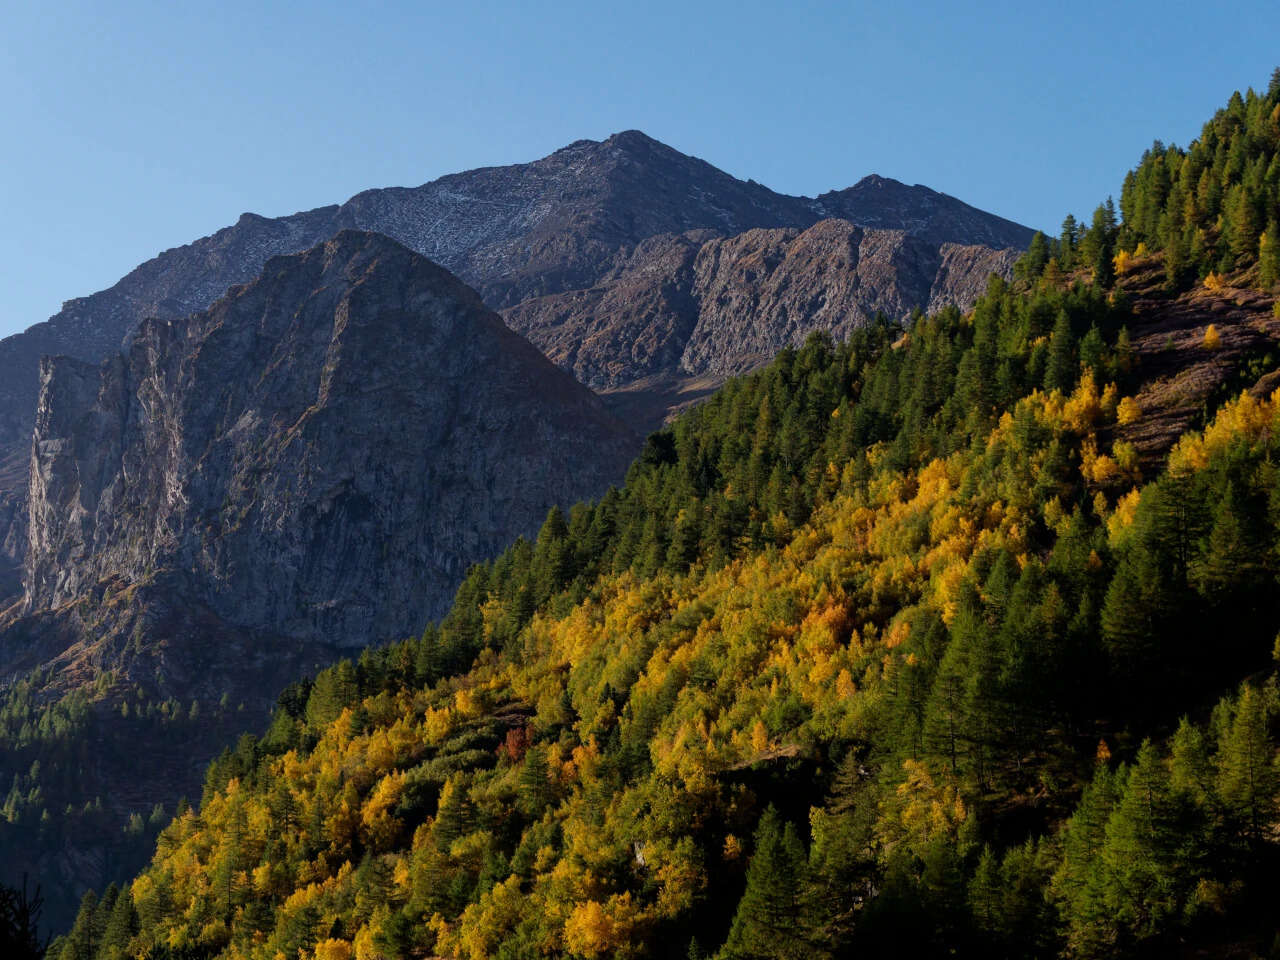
[(843, 860), (1190, 769), (334, 689), (552, 565), (1142, 883), (1247, 777), (986, 895), (120, 926), (1067, 242), (1093, 352), (298, 930), (1027, 920), (1269, 256), (453, 815), (767, 922), (82, 942), (1079, 880), (1230, 562), (20, 924), (1033, 262), (1061, 371), (533, 792)]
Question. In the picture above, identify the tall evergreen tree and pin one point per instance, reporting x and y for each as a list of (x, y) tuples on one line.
[(1269, 256), (1247, 776), (1143, 886), (767, 922), (20, 924), (1061, 371)]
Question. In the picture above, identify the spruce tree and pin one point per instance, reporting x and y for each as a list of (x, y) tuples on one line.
[(1061, 371), (1143, 882), (1247, 777), (767, 922)]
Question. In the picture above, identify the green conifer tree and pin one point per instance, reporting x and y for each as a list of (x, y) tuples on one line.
[(767, 922), (1247, 777), (1269, 256), (1143, 887), (1061, 371), (533, 792)]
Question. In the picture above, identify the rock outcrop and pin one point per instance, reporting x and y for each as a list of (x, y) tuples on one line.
[(695, 305), (319, 456)]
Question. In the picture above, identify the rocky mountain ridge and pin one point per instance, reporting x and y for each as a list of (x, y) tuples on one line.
[(247, 494), (516, 233), (699, 305), (322, 453)]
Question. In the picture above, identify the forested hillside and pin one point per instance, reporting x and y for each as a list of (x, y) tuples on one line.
[(896, 647)]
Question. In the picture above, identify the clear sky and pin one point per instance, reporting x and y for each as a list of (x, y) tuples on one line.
[(132, 127)]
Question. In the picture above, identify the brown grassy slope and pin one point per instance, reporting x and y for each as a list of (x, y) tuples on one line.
[(1177, 379)]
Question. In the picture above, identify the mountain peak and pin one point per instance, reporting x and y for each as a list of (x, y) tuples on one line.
[(346, 382), (875, 180), (632, 138)]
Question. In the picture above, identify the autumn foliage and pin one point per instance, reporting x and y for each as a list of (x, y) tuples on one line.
[(828, 676)]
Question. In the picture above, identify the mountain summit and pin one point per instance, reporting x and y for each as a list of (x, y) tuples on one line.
[(354, 420), (515, 233)]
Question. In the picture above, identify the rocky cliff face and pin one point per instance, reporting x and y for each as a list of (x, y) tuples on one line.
[(319, 455), (244, 496), (697, 304)]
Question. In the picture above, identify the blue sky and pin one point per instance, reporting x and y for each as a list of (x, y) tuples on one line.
[(133, 127)]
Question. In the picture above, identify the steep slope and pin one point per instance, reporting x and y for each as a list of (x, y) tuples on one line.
[(228, 504), (514, 233), (693, 306), (841, 698), (354, 425), (897, 647)]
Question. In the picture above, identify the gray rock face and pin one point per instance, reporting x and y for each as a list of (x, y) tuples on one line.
[(697, 304), (318, 455)]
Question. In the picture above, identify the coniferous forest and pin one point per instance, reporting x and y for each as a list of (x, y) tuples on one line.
[(899, 646)]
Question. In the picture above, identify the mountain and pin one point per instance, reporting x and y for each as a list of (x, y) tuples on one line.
[(511, 232), (514, 233), (232, 501), (951, 641), (352, 426), (694, 305), (842, 626)]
